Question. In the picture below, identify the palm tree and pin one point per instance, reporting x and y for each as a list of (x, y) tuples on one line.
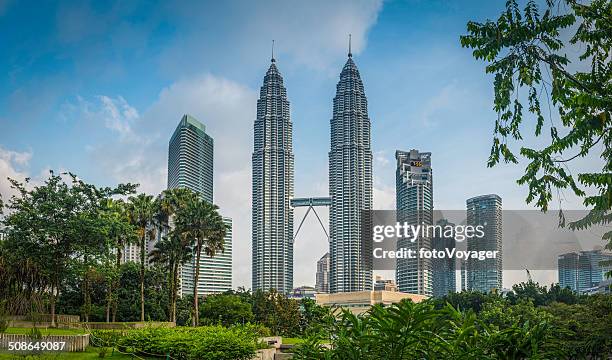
[(121, 233), (200, 222), (141, 212), (174, 249)]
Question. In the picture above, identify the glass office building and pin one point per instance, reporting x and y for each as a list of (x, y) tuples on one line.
[(414, 205), (190, 165), (485, 275)]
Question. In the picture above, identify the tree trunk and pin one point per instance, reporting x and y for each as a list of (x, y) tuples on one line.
[(196, 276), (142, 276), (117, 282), (175, 292), (108, 306), (170, 290), (52, 301)]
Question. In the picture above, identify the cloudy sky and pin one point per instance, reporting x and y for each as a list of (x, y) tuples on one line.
[(97, 88)]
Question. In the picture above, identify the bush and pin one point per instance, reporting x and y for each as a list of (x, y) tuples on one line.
[(206, 342)]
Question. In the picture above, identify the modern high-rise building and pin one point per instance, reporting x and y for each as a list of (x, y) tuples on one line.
[(567, 267), (414, 205), (322, 277), (444, 269), (272, 161), (485, 275), (350, 182), (583, 270), (215, 272), (190, 158), (190, 165)]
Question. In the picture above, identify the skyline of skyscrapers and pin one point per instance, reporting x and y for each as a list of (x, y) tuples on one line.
[(414, 205), (350, 182), (272, 165), (583, 270), (190, 165), (485, 275)]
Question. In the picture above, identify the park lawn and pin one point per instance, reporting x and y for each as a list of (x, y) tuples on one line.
[(90, 354), (292, 341), (45, 331), (295, 341)]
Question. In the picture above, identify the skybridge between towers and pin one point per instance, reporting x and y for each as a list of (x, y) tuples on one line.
[(310, 203)]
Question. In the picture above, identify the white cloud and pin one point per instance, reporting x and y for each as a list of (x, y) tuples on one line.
[(140, 153), (115, 113), (14, 165), (308, 33), (314, 33)]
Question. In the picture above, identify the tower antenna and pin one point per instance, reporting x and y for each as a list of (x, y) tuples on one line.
[(273, 51), (350, 54)]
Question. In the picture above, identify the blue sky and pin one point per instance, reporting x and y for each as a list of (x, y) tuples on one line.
[(98, 87)]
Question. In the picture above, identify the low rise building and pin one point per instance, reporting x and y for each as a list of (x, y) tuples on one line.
[(360, 301)]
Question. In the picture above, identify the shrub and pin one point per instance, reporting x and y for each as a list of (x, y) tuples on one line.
[(206, 342)]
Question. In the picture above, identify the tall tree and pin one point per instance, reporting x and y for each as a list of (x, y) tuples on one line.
[(142, 210), (120, 233), (174, 249), (51, 225), (526, 51), (200, 222)]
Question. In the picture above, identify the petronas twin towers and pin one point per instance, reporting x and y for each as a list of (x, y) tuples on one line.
[(350, 185)]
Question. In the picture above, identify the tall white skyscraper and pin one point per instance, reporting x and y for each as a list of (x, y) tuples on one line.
[(350, 182), (414, 204), (272, 161), (190, 165)]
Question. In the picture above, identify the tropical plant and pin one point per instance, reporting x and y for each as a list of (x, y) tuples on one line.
[(174, 249), (526, 51), (48, 228), (120, 233), (141, 212), (200, 222)]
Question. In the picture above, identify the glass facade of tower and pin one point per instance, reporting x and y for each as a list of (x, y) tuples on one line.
[(272, 161), (583, 270), (190, 158), (190, 165), (350, 182), (414, 205), (444, 269), (485, 275), (215, 272), (322, 277)]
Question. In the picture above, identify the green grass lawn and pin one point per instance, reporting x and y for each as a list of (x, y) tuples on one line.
[(91, 353), (292, 341), (45, 331)]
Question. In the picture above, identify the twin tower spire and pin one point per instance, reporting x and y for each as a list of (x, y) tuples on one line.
[(350, 54), (350, 184)]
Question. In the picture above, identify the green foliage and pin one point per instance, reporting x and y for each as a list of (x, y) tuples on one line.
[(466, 300), (34, 334), (200, 223), (409, 331), (50, 229), (226, 310), (276, 311), (539, 295), (584, 329), (206, 342), (525, 50)]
